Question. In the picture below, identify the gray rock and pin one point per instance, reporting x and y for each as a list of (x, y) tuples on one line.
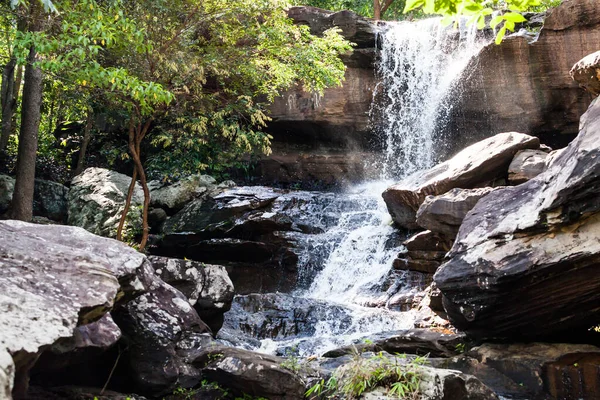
[(444, 214), (444, 384), (50, 200), (97, 199), (526, 165), (255, 374), (526, 256), (481, 162), (587, 73), (172, 198), (60, 277), (410, 341), (164, 334), (207, 287), (7, 187)]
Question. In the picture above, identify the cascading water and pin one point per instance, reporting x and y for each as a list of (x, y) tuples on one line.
[(419, 63)]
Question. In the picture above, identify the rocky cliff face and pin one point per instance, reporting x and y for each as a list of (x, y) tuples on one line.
[(524, 83), (313, 134)]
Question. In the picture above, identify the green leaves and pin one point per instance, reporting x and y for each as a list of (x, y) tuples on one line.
[(478, 10)]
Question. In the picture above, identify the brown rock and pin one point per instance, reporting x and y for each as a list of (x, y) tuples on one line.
[(480, 162), (532, 370), (526, 165), (409, 264), (524, 84), (587, 73), (443, 214), (428, 241)]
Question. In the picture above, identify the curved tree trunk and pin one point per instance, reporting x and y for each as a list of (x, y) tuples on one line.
[(136, 135), (21, 206)]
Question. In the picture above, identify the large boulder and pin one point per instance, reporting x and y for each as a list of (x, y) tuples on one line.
[(532, 370), (207, 287), (587, 73), (7, 187), (172, 198), (60, 277), (250, 373), (49, 198), (164, 334), (474, 166), (525, 261), (444, 214), (97, 200)]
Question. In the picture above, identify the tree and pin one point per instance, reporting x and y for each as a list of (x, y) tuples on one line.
[(217, 67)]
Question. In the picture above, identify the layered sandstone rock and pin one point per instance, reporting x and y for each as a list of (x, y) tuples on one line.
[(523, 84), (474, 166), (527, 256)]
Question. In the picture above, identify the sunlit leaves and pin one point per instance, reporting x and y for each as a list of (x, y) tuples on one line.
[(508, 12)]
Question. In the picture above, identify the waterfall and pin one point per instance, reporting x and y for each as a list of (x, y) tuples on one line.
[(420, 63), (348, 266)]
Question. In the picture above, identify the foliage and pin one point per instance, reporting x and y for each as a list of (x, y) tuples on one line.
[(361, 7), (398, 374), (482, 12)]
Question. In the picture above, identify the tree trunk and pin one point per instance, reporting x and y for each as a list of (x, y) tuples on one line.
[(7, 101), (376, 10), (87, 136), (136, 135), (22, 202)]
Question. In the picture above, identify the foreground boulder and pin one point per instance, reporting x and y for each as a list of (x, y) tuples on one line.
[(526, 257), (250, 373), (163, 333), (475, 166), (97, 199), (532, 370), (60, 277)]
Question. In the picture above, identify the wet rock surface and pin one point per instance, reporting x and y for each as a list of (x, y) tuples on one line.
[(411, 341), (477, 164), (525, 256)]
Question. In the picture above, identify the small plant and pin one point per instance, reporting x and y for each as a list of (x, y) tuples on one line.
[(361, 375), (185, 393), (460, 348), (292, 362)]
